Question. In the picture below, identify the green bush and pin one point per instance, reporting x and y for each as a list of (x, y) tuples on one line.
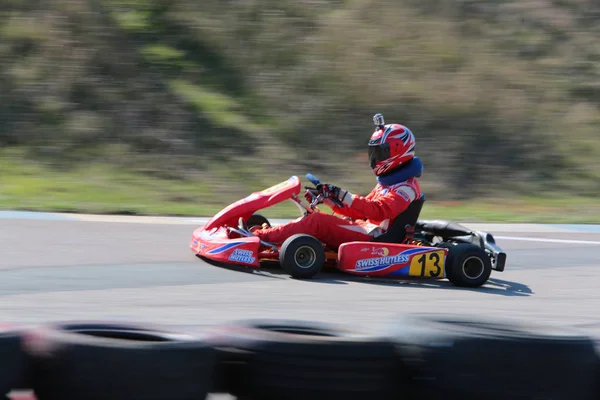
[(502, 95)]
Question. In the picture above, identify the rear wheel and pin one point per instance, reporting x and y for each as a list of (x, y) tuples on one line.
[(302, 256), (468, 265)]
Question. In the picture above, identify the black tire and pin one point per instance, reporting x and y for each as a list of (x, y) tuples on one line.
[(14, 368), (257, 220), (118, 361), (302, 256), (474, 358), (468, 265), (301, 360)]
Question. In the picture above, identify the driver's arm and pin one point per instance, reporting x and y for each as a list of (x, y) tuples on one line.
[(349, 211), (384, 207)]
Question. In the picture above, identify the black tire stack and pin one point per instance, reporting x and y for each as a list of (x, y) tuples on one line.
[(416, 357), (297, 360), (465, 358), (118, 361), (14, 369)]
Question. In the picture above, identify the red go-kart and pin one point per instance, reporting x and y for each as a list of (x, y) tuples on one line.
[(409, 248)]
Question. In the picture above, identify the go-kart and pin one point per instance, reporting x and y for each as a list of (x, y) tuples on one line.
[(411, 247)]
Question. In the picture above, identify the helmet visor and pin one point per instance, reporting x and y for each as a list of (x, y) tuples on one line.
[(378, 153)]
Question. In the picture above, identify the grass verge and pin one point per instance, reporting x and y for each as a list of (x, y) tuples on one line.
[(101, 188)]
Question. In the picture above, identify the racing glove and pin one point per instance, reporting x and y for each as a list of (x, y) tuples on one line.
[(344, 197), (310, 194)]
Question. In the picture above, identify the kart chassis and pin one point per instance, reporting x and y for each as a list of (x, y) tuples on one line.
[(430, 249)]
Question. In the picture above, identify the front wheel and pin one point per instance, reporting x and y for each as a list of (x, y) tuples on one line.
[(302, 256), (468, 265)]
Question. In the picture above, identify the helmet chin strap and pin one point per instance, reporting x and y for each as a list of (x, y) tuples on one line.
[(412, 169)]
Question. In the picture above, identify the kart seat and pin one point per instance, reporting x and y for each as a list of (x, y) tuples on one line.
[(403, 223)]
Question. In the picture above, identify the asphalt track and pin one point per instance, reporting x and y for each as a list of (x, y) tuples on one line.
[(57, 267)]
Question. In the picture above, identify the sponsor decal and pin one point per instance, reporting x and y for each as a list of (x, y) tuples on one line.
[(382, 261), (402, 193), (244, 256), (380, 251), (198, 246)]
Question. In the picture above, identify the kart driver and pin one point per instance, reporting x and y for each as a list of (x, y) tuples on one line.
[(392, 158)]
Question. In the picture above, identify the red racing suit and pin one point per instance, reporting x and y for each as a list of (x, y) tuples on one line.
[(368, 216)]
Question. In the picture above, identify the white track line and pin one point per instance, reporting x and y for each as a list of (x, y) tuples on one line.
[(494, 228), (546, 240)]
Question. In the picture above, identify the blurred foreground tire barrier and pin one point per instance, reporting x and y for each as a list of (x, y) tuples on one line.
[(118, 361), (282, 359), (453, 357), (13, 362)]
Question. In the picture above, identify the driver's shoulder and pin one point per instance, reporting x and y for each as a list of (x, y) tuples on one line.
[(408, 190), (412, 182)]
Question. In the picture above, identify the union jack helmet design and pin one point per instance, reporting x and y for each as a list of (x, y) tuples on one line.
[(390, 146)]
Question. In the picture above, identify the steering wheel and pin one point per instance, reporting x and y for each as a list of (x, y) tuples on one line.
[(319, 187)]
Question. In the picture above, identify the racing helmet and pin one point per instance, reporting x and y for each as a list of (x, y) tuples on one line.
[(390, 146)]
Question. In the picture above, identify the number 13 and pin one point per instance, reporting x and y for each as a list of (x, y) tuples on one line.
[(433, 257)]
